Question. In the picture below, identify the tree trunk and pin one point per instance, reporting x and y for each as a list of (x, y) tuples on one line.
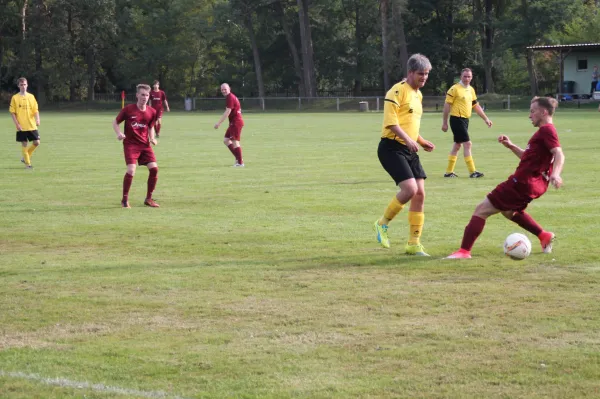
[(72, 38), (91, 64), (307, 49), (255, 54), (292, 46), (384, 6), (488, 45), (532, 76), (402, 46), (358, 42)]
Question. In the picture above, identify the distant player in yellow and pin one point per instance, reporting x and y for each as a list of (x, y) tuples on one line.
[(460, 100), (397, 152), (25, 114)]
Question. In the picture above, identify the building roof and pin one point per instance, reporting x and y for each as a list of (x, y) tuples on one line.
[(578, 47)]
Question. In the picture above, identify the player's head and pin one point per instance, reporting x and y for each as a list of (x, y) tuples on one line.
[(466, 75), (142, 93), (541, 110), (22, 83), (225, 89), (156, 84), (418, 67)]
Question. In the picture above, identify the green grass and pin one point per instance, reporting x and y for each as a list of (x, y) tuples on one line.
[(267, 281)]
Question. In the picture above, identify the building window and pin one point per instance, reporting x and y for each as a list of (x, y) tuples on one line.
[(582, 64)]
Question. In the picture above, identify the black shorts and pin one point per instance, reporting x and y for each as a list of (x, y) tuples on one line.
[(27, 135), (399, 162), (460, 129)]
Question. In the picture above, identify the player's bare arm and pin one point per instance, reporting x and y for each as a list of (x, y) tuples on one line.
[(445, 117), (426, 144), (17, 125), (479, 111), (505, 141), (167, 106), (118, 132), (152, 135), (557, 167), (223, 117)]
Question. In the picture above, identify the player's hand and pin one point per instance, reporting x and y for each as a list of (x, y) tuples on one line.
[(120, 136), (556, 181), (412, 145), (505, 141), (488, 122), (19, 128), (216, 125), (444, 126), (427, 145), (153, 142), (37, 123)]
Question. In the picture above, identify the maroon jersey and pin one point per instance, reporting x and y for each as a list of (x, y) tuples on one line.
[(235, 117), (137, 123), (536, 162), (157, 98)]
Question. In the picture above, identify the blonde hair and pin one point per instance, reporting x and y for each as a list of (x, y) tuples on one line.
[(21, 80), (548, 103), (142, 86)]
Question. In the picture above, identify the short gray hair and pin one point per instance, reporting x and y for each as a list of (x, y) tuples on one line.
[(418, 62)]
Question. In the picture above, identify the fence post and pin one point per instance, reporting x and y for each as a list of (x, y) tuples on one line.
[(377, 104), (262, 104), (508, 103), (337, 100), (299, 103)]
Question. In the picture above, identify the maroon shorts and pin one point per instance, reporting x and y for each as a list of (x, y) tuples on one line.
[(159, 112), (234, 132), (138, 153), (510, 196)]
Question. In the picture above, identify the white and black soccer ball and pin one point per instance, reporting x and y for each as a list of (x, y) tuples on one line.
[(517, 246)]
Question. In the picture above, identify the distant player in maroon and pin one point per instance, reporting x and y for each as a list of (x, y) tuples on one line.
[(158, 101), (541, 164), (233, 111), (139, 134)]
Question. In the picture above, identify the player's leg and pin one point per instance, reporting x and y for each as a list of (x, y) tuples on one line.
[(34, 137), (127, 180), (474, 228), (158, 124), (396, 165), (416, 220), (470, 162), (236, 135), (452, 157), (525, 220), (228, 141), (152, 180)]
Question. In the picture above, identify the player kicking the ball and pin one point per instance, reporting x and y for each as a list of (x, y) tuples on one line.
[(139, 121), (541, 164)]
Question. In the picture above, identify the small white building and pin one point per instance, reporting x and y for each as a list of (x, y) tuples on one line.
[(577, 63)]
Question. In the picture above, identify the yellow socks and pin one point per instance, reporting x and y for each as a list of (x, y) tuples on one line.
[(31, 149), (391, 211), (470, 164), (26, 157), (416, 220), (451, 163)]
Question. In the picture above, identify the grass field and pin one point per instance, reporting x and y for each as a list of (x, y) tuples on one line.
[(267, 282)]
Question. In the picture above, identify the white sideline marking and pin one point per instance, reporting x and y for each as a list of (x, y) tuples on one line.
[(63, 382)]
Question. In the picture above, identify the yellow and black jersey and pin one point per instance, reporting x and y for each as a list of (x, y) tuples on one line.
[(24, 107), (403, 107), (462, 100)]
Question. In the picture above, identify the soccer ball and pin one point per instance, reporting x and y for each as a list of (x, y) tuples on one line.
[(517, 246)]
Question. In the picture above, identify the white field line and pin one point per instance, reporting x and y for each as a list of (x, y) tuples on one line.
[(63, 382)]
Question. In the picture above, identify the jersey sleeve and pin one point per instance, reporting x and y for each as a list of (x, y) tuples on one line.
[(34, 105), (122, 115), (474, 96), (450, 95), (550, 138), (391, 105), (229, 103), (13, 106)]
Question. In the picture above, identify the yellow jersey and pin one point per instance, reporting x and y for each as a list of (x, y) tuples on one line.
[(403, 106), (24, 107), (462, 100)]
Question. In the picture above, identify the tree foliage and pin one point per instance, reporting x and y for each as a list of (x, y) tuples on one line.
[(72, 49)]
